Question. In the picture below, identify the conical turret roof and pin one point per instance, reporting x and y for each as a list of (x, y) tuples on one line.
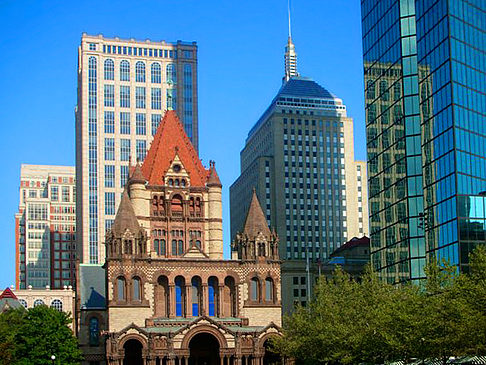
[(125, 217), (255, 220), (213, 178), (137, 176)]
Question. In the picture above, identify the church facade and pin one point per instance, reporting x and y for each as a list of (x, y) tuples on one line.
[(171, 298)]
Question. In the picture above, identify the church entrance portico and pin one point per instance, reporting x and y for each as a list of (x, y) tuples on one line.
[(133, 353), (204, 350)]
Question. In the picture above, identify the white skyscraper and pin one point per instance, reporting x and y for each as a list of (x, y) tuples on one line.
[(124, 88)]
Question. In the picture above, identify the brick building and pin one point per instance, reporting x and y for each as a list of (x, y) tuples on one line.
[(171, 298)]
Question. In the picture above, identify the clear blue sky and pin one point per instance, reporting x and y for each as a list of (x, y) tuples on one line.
[(241, 46)]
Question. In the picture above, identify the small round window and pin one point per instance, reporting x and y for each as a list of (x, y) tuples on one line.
[(176, 168)]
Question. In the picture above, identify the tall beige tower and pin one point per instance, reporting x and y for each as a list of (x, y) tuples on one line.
[(124, 88)]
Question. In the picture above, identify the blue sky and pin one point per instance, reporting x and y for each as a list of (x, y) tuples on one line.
[(241, 46)]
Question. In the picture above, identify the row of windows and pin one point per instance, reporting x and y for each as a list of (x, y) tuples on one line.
[(125, 149), (56, 303), (141, 51), (140, 97), (140, 73), (125, 124)]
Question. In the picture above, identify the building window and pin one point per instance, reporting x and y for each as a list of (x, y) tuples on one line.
[(136, 289), (140, 71), (109, 122), (141, 149), (196, 295), (156, 98), (123, 175), (121, 289), (171, 74), (124, 123), (141, 124), (109, 70), (269, 289), (109, 95), (155, 123), (254, 289), (124, 71), (125, 96), (174, 247), (140, 97), (56, 304), (65, 194), (179, 291), (23, 303), (94, 331), (109, 149), (54, 193), (156, 73), (92, 46), (38, 302), (124, 149), (109, 203), (212, 290)]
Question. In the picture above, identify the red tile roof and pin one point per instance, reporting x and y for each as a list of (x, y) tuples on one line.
[(169, 140), (7, 293)]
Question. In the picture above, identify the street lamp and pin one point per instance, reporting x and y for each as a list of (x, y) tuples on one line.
[(53, 358)]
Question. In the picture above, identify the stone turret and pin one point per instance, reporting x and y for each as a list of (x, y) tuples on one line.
[(256, 242), (215, 214), (138, 192), (126, 239)]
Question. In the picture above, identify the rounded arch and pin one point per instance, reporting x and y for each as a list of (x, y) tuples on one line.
[(38, 302), (57, 304), (155, 71), (204, 329), (133, 336), (263, 344), (124, 70), (140, 71), (109, 69)]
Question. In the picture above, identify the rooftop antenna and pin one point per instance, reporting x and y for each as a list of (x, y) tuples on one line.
[(290, 54)]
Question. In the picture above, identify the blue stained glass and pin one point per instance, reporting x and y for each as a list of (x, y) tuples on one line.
[(178, 292), (212, 295)]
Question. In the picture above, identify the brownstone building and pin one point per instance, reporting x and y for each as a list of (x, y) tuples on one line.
[(171, 298)]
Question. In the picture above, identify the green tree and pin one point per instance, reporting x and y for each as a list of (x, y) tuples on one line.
[(38, 333)]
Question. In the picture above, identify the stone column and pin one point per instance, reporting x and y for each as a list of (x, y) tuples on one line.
[(172, 305), (220, 301), (188, 301), (204, 308)]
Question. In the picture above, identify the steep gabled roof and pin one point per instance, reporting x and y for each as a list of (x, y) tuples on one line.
[(169, 140), (255, 220), (8, 293), (125, 217)]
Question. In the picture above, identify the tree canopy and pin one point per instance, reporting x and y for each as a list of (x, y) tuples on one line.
[(32, 336), (370, 321)]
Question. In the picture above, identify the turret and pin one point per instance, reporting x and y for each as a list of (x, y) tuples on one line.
[(215, 214), (139, 195)]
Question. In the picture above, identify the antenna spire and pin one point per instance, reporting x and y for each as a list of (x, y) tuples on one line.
[(290, 54)]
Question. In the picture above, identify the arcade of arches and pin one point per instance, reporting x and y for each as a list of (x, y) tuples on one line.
[(201, 348)]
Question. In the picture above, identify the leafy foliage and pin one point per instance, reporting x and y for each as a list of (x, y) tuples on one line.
[(32, 336), (351, 322)]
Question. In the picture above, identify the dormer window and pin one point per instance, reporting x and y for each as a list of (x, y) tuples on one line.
[(176, 168), (171, 182), (183, 183), (177, 182)]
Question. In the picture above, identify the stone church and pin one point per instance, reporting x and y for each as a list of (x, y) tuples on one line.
[(171, 298)]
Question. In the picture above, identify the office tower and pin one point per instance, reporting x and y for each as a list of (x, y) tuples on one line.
[(299, 156), (425, 110), (124, 87), (45, 227)]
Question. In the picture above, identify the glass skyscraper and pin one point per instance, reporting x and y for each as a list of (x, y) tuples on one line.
[(425, 84)]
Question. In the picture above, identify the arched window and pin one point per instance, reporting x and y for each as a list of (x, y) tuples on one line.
[(38, 302), (56, 304), (94, 331), (370, 89), (124, 71), (136, 290), (254, 290), (198, 244), (162, 297), (180, 247), (174, 247), (269, 289), (183, 183), (162, 247), (179, 294), (171, 74), (140, 71), (176, 183), (121, 289), (229, 300), (156, 246), (196, 295), (212, 293), (156, 73), (23, 302), (109, 70)]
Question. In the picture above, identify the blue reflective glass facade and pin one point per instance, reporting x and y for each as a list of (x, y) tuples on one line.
[(425, 96)]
